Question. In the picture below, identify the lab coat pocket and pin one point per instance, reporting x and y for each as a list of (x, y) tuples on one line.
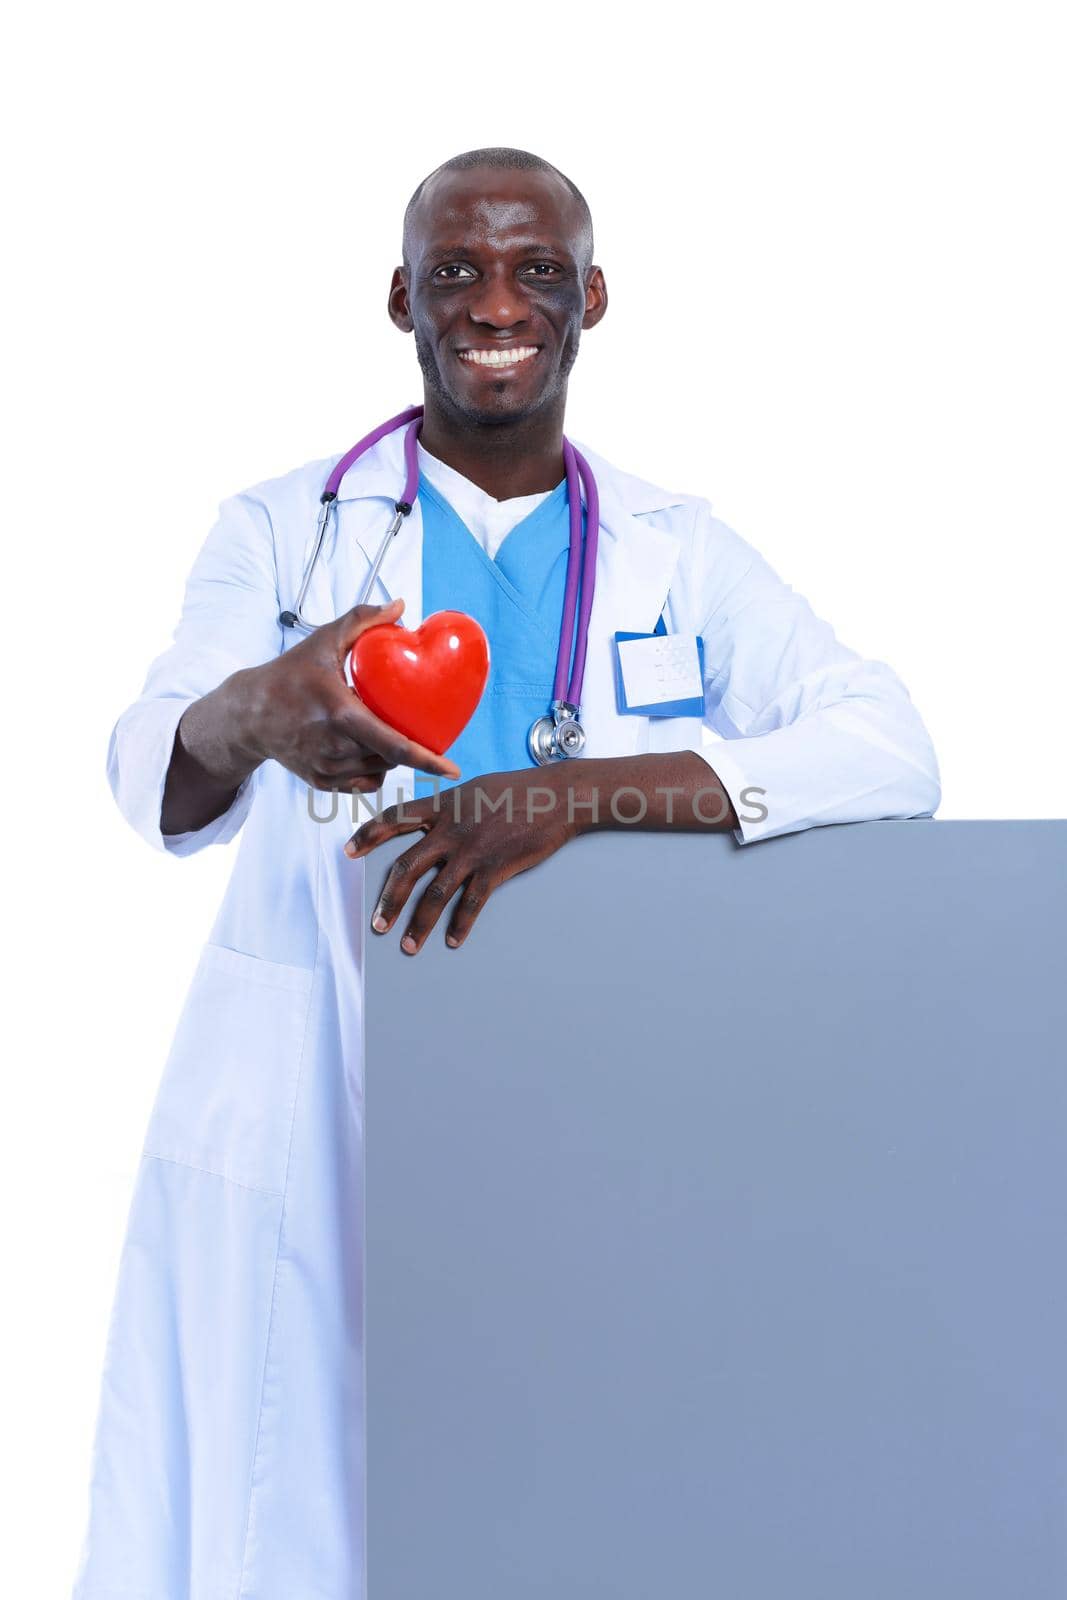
[(226, 1099)]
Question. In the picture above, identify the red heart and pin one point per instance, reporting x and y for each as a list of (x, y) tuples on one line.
[(424, 682)]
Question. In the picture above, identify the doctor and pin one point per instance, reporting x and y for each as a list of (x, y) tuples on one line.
[(228, 1460)]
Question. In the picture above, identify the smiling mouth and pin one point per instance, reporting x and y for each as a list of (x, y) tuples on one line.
[(498, 360)]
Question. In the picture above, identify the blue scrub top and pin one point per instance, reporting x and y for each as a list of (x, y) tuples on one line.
[(518, 599)]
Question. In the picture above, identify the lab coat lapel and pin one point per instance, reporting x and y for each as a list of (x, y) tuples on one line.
[(400, 575), (635, 564)]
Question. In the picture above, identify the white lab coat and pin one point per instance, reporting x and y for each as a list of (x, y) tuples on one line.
[(228, 1461)]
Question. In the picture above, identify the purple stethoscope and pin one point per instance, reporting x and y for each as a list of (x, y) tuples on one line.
[(560, 734)]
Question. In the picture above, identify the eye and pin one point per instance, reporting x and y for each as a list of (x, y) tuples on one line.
[(543, 269), (451, 271)]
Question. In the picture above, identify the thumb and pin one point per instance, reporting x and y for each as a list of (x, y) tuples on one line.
[(352, 623)]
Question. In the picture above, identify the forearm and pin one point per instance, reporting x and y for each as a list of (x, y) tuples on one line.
[(669, 789), (213, 754)]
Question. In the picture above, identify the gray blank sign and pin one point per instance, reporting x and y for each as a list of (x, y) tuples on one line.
[(716, 1225)]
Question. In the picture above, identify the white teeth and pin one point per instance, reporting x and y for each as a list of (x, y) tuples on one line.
[(498, 358)]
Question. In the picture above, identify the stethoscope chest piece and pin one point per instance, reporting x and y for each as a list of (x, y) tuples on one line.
[(557, 737)]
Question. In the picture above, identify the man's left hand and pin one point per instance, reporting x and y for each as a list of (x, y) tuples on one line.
[(476, 836)]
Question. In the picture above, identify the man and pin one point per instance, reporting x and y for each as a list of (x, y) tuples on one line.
[(229, 1451)]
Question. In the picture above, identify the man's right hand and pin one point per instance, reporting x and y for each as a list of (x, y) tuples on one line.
[(296, 710), (299, 711)]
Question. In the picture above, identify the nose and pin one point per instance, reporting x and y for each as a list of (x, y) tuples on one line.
[(498, 301)]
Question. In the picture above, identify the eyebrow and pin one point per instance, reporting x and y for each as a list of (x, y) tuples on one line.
[(526, 247)]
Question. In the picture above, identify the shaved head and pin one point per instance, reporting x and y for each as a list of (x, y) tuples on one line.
[(503, 158)]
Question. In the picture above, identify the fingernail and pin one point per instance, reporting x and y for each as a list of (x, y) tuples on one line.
[(407, 943), (450, 939), (378, 922), (350, 849)]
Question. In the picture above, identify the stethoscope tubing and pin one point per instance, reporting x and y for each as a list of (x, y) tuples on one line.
[(580, 581)]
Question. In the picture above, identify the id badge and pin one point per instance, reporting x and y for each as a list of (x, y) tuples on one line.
[(659, 674)]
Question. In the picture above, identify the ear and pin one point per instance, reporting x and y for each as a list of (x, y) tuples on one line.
[(596, 298), (399, 310)]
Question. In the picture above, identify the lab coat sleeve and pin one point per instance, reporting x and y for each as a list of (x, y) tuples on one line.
[(229, 620), (811, 732)]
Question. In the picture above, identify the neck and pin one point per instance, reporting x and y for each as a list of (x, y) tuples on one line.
[(505, 459)]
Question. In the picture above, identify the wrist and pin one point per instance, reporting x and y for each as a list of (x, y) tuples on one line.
[(220, 733), (243, 707), (581, 795)]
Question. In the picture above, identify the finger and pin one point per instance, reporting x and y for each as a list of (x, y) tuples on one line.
[(478, 889), (353, 766), (355, 719), (402, 877), (432, 901), (394, 820), (352, 787), (360, 784), (351, 624), (338, 752), (344, 778)]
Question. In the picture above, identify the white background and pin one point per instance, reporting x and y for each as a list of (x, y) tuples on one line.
[(833, 240)]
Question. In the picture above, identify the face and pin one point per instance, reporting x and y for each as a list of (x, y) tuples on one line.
[(495, 291)]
